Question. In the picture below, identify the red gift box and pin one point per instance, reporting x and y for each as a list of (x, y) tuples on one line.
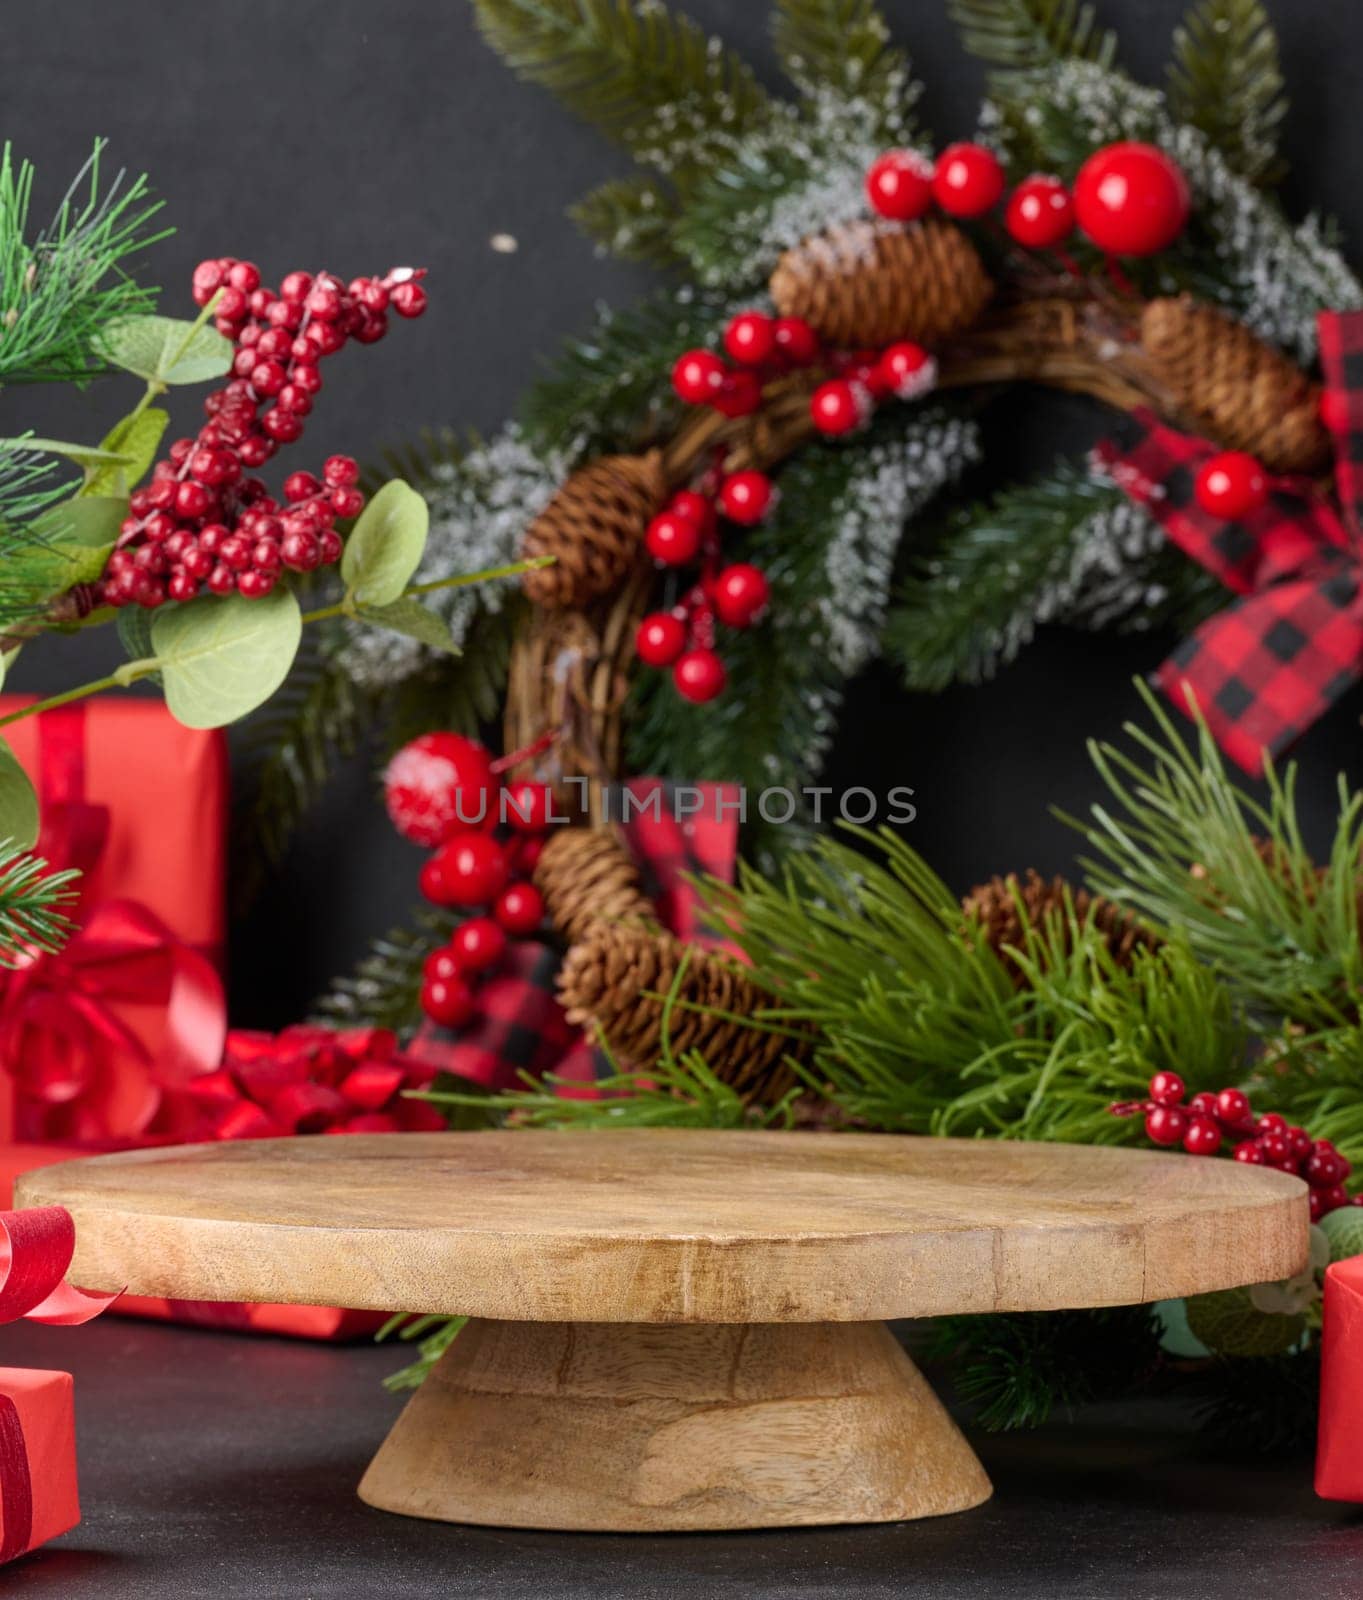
[(1339, 1455), (38, 1496)]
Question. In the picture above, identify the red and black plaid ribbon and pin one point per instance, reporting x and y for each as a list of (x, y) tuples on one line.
[(674, 831), (1264, 669)]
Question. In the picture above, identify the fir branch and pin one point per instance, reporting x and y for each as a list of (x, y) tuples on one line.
[(457, 694), (1022, 35), (652, 80), (29, 485), (433, 1336), (33, 904), (631, 219), (61, 288), (1226, 81), (842, 48), (384, 990)]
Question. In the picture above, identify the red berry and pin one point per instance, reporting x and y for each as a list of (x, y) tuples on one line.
[(181, 586), (346, 502), (268, 377), (1331, 1199), (255, 585), (295, 287), (838, 407), (747, 498), (431, 880), (193, 500), (697, 377), (407, 299), (1277, 1149), (1248, 1150), (441, 964), (1202, 1104), (437, 784), (967, 180), (281, 425), (329, 543), (222, 580), (478, 943), (660, 639), (1166, 1124), (448, 1001), (1323, 1169), (472, 868), (1232, 1108), (899, 185), (1203, 1137), (526, 852), (301, 552), (699, 676), (905, 370), (751, 338), (1300, 1142), (323, 303), (519, 909), (673, 540), (1272, 1122), (1131, 199), (300, 486), (739, 395), (1231, 485), (1166, 1088), (341, 471), (740, 595), (529, 807), (694, 507), (292, 398), (1040, 213), (244, 275), (207, 279), (796, 341)]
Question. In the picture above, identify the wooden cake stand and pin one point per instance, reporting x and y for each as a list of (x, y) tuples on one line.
[(674, 1330)]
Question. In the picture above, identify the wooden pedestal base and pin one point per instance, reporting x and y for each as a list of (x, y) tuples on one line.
[(634, 1427)]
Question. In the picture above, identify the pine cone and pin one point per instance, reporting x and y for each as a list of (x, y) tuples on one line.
[(867, 283), (1241, 391), (586, 876), (994, 904), (594, 527), (602, 979)]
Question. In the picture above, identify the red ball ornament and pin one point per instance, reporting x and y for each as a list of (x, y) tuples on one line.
[(660, 639), (1231, 485), (1131, 199), (1232, 1108), (1166, 1124), (739, 395), (699, 676), (673, 540), (740, 595), (1040, 213), (1202, 1138), (441, 965), (694, 507), (839, 407), (478, 944), (747, 497), (472, 869), (529, 807), (905, 370), (1166, 1088), (750, 338), (697, 376), (431, 881), (519, 909), (796, 341), (437, 783), (968, 180), (899, 185), (448, 1001)]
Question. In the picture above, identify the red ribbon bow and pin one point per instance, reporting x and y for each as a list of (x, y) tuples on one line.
[(1264, 669)]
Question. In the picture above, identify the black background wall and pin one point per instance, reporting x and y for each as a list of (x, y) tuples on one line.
[(355, 134)]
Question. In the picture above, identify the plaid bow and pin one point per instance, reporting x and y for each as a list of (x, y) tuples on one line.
[(1264, 669)]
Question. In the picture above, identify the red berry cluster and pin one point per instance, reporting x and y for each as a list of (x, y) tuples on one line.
[(1130, 199), (443, 793), (1201, 1123), (201, 521), (900, 371), (762, 347)]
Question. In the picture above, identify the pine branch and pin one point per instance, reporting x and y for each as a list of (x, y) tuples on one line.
[(29, 485), (63, 286), (1225, 79), (459, 694), (631, 219), (1022, 35), (33, 904), (652, 80), (433, 1336), (842, 47), (384, 990)]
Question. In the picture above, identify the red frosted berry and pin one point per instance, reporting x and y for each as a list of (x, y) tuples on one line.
[(747, 497), (441, 964), (1232, 1108), (1166, 1088), (282, 425), (1202, 1137), (838, 407), (407, 299), (796, 342), (207, 280), (751, 338), (671, 539), (1131, 199), (528, 807), (268, 377), (899, 185), (740, 594), (967, 180), (300, 486), (301, 552), (472, 868), (478, 943), (1248, 1150), (697, 377), (438, 783), (1231, 485), (660, 639), (699, 676), (448, 1001), (1040, 213), (519, 909), (255, 585), (346, 502), (341, 471), (1166, 1124), (905, 370)]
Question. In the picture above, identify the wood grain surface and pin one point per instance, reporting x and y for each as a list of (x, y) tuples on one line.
[(639, 1428), (673, 1226)]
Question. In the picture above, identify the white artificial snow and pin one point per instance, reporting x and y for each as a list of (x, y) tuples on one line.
[(1107, 576)]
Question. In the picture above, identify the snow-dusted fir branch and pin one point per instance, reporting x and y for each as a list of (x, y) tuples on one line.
[(1105, 575), (480, 506)]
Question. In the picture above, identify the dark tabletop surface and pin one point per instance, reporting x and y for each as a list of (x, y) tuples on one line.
[(218, 1465)]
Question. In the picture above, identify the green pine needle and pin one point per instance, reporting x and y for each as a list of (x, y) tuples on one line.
[(1226, 80), (843, 47), (631, 219), (1022, 35), (33, 904), (384, 990)]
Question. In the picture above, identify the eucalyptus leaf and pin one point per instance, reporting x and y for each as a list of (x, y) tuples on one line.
[(1229, 1323), (386, 544), (130, 446), (221, 658), (18, 801), (408, 616), (167, 349)]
